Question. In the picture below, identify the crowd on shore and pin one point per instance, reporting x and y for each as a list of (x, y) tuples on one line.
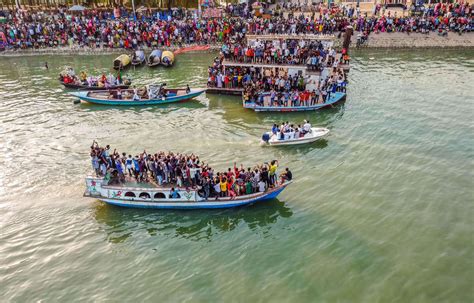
[(178, 170), (116, 29)]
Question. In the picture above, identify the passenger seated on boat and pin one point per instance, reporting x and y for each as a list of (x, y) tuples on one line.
[(286, 176), (119, 94), (174, 193), (296, 133), (136, 97)]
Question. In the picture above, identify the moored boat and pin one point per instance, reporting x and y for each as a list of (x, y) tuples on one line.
[(167, 58), (332, 100), (138, 58), (161, 197), (279, 139), (154, 59), (122, 62), (138, 97)]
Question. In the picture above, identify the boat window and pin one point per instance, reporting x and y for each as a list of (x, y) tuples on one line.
[(145, 196), (130, 194), (159, 196)]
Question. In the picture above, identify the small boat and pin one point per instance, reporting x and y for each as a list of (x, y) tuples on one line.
[(160, 197), (87, 87), (122, 62), (333, 99), (109, 97), (167, 58), (154, 59), (138, 58), (275, 140)]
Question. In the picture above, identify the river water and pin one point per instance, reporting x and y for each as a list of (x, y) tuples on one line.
[(381, 211)]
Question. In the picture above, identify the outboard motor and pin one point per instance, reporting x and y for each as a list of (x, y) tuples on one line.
[(266, 137)]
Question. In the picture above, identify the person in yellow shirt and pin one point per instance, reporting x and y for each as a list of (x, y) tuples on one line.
[(83, 76), (223, 184), (272, 172)]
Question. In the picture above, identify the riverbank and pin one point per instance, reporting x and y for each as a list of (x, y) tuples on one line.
[(381, 40), (76, 50)]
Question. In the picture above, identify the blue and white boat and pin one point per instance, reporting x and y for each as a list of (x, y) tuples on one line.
[(333, 99), (110, 97), (160, 197)]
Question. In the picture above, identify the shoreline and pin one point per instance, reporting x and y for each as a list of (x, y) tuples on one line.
[(376, 41)]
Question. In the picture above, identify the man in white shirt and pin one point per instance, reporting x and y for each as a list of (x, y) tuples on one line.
[(306, 127)]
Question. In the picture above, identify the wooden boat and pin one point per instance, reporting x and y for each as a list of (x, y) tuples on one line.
[(109, 97), (122, 62), (86, 87), (167, 58), (154, 59), (159, 197), (275, 140), (333, 99), (138, 58)]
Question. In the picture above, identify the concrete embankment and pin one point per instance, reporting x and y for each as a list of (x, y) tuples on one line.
[(417, 40)]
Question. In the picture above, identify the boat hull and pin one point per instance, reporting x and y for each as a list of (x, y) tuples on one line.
[(319, 133), (83, 96), (208, 204), (335, 98), (163, 197)]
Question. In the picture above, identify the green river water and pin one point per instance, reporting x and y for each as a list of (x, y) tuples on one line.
[(381, 211)]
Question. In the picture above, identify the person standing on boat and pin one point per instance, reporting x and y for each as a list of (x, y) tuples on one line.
[(272, 172), (119, 94), (136, 97), (205, 187), (223, 186), (128, 165)]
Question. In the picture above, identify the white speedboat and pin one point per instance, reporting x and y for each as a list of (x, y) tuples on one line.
[(316, 133)]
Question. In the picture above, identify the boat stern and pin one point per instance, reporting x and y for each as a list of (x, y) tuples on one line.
[(79, 95), (94, 187)]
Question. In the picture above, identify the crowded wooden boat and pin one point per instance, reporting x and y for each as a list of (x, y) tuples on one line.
[(170, 180), (148, 95)]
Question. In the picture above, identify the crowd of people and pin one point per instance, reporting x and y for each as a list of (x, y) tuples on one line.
[(176, 170), (117, 29), (287, 52)]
